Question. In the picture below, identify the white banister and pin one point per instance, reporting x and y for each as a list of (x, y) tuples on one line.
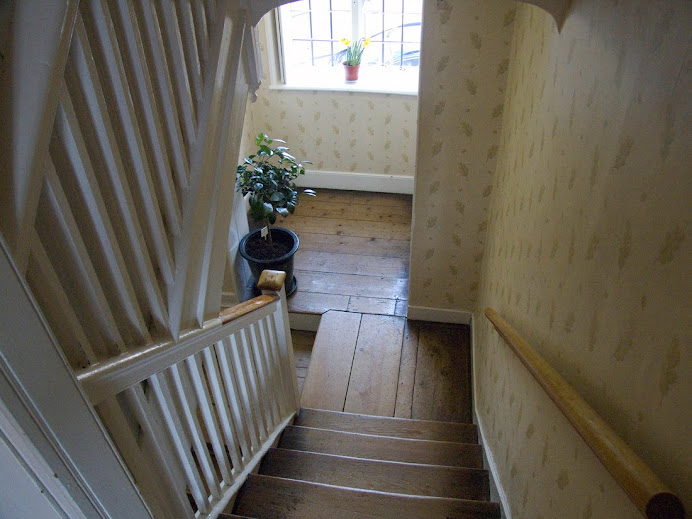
[(205, 410)]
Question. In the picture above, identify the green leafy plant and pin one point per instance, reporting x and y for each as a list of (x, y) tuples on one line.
[(354, 50), (268, 177)]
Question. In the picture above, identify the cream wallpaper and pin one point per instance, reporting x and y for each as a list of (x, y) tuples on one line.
[(339, 131), (588, 252), (464, 72)]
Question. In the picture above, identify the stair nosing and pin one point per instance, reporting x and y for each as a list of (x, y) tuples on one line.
[(390, 462), (389, 418), (377, 492), (381, 436)]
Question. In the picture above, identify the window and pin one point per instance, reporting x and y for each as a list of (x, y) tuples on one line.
[(311, 32)]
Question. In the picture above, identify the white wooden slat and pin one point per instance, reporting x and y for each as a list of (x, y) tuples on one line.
[(77, 257), (202, 33), (29, 90), (251, 404), (236, 400), (188, 408), (166, 405), (83, 177), (187, 30), (81, 76), (273, 380), (157, 441), (46, 286), (164, 89), (146, 108), (98, 21), (261, 415), (210, 11), (148, 482), (199, 383), (278, 367), (222, 407), (168, 21), (262, 375)]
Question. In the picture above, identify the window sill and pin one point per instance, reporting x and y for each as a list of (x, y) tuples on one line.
[(372, 80)]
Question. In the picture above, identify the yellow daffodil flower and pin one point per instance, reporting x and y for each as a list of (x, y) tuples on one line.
[(345, 41), (366, 42)]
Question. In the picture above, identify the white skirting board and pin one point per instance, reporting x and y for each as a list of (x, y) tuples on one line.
[(438, 315), (376, 182)]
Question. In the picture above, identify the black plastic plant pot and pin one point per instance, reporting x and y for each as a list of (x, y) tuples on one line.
[(284, 262)]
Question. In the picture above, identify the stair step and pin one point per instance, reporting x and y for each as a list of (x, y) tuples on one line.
[(383, 476), (330, 363), (383, 448), (277, 498), (384, 426)]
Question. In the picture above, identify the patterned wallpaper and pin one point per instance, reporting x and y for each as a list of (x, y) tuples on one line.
[(464, 72), (588, 252), (339, 131)]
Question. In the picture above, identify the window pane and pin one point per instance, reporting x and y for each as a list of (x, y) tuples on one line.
[(321, 25), (300, 25), (323, 53), (342, 25), (393, 6), (413, 6), (341, 5), (411, 28), (302, 52)]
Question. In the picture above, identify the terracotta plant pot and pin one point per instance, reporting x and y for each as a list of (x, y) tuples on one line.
[(351, 72)]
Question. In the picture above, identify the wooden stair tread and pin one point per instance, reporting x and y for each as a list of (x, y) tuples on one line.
[(330, 364), (277, 498), (384, 448), (387, 426), (383, 476)]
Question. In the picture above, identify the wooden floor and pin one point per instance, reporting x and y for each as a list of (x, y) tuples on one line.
[(354, 252), (387, 366)]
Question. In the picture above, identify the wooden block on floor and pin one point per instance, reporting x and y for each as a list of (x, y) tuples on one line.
[(330, 364), (278, 498), (375, 371), (384, 448), (443, 374), (386, 426), (383, 476)]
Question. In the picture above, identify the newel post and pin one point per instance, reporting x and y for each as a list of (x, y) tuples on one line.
[(271, 282)]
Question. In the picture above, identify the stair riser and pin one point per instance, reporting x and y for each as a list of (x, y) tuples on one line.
[(382, 448), (401, 478)]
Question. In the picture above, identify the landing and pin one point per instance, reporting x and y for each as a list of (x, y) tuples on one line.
[(354, 252), (388, 366)]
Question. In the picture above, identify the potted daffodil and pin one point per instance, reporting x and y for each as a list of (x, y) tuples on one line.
[(354, 53)]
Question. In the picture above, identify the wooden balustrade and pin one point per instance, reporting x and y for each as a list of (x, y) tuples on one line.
[(645, 489)]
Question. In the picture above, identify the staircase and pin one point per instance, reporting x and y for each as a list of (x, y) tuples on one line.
[(341, 465)]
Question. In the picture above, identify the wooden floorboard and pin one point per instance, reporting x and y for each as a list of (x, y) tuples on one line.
[(375, 371), (363, 246), (302, 351), (352, 285), (442, 388), (354, 252), (407, 371)]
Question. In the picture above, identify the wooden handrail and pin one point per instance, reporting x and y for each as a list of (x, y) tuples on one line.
[(111, 376), (650, 495)]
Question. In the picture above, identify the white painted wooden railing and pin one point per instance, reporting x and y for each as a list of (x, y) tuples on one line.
[(204, 410)]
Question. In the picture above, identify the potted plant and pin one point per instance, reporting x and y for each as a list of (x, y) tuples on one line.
[(354, 53), (268, 178)]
